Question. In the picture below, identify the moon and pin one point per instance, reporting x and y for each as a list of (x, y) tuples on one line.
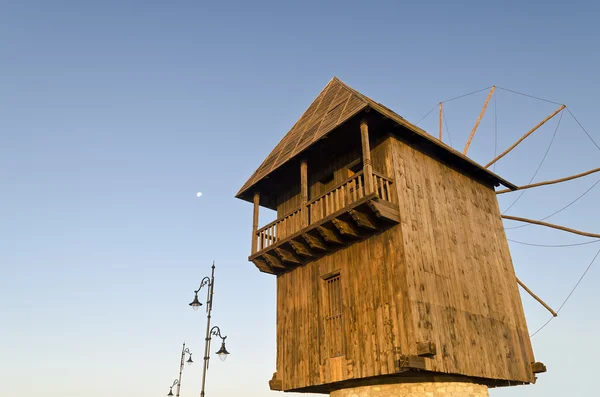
[(199, 194)]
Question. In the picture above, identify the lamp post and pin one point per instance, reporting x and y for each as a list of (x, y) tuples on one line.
[(195, 304), (175, 382), (184, 351)]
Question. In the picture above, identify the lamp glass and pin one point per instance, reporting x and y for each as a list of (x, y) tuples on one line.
[(195, 303)]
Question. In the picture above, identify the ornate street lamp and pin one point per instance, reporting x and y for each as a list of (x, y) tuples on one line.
[(175, 382), (222, 352), (184, 351), (195, 304)]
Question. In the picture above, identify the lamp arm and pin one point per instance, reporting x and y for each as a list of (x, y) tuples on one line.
[(205, 281), (216, 331)]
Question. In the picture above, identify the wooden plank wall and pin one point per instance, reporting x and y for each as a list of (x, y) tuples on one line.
[(462, 285), (443, 275), (376, 315)]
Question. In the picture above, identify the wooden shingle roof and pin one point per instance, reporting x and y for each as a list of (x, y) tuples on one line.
[(336, 104)]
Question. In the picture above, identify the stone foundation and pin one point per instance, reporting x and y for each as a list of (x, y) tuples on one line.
[(425, 389)]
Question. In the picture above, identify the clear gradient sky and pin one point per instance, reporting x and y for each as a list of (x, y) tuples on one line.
[(113, 114)]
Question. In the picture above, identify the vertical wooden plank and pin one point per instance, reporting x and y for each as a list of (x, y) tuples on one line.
[(256, 202), (366, 152), (303, 192)]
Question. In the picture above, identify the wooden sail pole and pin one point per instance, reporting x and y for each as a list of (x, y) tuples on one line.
[(566, 229), (441, 115), (485, 105), (537, 298), (549, 182), (531, 131)]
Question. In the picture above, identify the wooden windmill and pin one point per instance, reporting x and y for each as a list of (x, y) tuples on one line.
[(393, 269)]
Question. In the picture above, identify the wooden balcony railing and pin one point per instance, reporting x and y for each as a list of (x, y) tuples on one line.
[(382, 186), (333, 200), (337, 198), (278, 229)]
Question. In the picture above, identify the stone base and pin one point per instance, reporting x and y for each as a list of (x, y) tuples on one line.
[(425, 389)]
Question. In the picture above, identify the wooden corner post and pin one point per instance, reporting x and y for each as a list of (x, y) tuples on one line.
[(366, 151), (304, 191), (255, 223)]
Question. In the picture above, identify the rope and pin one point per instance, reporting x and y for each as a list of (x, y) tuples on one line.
[(428, 113), (560, 210), (470, 93), (451, 99), (589, 136), (447, 129), (552, 245), (539, 167), (568, 296), (530, 96)]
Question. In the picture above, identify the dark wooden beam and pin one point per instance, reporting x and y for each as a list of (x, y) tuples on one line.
[(274, 262), (363, 220), (538, 367), (329, 235), (426, 349), (262, 266), (384, 211), (275, 383), (314, 242), (301, 248), (411, 362), (346, 228), (287, 256)]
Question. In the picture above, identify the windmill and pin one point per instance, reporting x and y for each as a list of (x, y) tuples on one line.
[(394, 274)]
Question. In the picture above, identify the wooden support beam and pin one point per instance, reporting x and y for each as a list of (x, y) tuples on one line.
[(346, 228), (384, 212), (441, 116), (485, 105), (538, 367), (566, 229), (262, 266), (366, 153), (363, 220), (552, 182), (301, 248), (275, 383), (287, 256), (329, 235), (426, 349), (411, 362), (255, 223), (531, 131), (304, 193), (274, 262), (537, 298), (314, 242)]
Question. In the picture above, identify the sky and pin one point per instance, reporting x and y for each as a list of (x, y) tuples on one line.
[(114, 114)]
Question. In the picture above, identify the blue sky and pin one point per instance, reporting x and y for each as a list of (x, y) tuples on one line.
[(114, 114)]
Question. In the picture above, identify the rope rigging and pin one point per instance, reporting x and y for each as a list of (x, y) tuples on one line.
[(539, 166), (560, 210), (533, 177), (568, 296)]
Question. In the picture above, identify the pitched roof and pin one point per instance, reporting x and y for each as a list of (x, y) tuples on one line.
[(337, 103)]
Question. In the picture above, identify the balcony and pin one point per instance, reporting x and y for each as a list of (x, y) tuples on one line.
[(349, 212)]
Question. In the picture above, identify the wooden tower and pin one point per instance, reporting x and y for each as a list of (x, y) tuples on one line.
[(392, 266)]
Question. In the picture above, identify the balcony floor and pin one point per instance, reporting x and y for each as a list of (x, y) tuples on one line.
[(357, 221)]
